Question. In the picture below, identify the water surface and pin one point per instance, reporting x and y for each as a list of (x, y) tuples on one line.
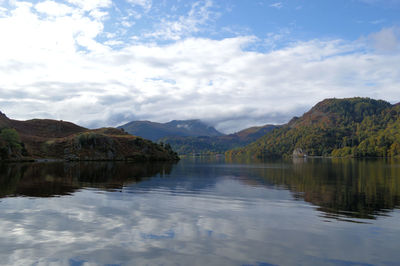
[(201, 212)]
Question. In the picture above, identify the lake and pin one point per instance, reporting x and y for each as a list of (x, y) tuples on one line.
[(201, 212)]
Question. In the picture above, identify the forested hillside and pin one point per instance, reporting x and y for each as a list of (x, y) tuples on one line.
[(353, 127), (216, 144)]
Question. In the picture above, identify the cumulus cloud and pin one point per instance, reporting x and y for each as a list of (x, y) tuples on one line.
[(55, 67)]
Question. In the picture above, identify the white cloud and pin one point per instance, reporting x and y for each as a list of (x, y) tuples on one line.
[(277, 5), (57, 69), (145, 4), (184, 26), (53, 8), (89, 5), (98, 14), (274, 38)]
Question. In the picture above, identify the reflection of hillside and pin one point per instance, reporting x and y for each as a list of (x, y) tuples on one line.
[(352, 188), (349, 188), (52, 179)]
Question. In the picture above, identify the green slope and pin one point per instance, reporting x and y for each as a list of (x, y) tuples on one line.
[(356, 127)]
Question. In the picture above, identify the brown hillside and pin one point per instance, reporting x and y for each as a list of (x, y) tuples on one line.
[(255, 132), (46, 128), (333, 112), (45, 138), (4, 120)]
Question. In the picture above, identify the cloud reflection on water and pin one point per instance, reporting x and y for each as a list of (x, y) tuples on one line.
[(187, 218)]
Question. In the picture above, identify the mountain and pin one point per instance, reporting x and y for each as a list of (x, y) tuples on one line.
[(216, 144), (351, 127), (51, 139), (156, 131)]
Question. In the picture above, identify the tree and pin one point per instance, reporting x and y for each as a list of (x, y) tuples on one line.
[(11, 138)]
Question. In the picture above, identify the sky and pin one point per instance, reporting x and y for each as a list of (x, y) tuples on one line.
[(231, 63)]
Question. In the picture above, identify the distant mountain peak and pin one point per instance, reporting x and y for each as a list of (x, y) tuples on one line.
[(175, 128)]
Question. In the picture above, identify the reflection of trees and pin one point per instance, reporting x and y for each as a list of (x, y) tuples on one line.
[(341, 187), (51, 179)]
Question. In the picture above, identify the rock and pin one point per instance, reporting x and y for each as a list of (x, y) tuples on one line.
[(298, 152)]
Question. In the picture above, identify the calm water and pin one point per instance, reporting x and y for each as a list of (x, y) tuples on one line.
[(201, 212)]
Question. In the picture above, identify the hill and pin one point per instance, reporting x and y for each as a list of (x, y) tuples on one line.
[(156, 131), (216, 144), (352, 127), (51, 139)]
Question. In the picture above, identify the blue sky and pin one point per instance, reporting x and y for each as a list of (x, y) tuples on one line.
[(231, 63), (296, 19)]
